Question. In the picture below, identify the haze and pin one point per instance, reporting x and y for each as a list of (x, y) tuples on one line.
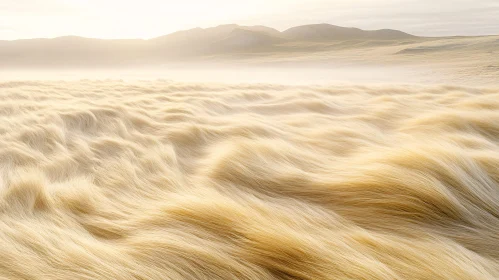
[(151, 18)]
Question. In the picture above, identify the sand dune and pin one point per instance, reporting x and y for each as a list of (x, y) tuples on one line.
[(164, 180)]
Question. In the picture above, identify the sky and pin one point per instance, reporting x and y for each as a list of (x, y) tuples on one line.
[(22, 19)]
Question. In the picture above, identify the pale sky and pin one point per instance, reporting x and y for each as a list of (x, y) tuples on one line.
[(21, 19)]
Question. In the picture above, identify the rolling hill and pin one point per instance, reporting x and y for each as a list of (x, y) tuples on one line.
[(327, 32), (187, 44)]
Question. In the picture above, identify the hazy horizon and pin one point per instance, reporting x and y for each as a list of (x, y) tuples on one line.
[(202, 27), (147, 19), (243, 25)]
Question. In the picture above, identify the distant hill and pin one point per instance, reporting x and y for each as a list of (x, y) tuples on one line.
[(186, 44), (214, 33), (217, 39), (327, 32)]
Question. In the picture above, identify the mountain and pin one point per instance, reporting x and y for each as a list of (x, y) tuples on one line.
[(327, 32), (187, 44), (215, 39), (211, 35), (246, 39)]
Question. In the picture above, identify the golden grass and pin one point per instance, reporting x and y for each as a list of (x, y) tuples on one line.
[(163, 180)]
